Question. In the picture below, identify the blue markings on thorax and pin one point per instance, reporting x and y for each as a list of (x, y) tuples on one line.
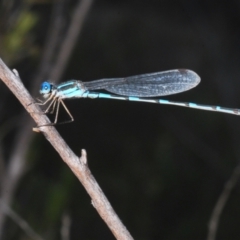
[(70, 89)]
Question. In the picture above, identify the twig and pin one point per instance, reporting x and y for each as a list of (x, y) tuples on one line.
[(217, 211), (78, 166), (79, 15), (17, 161), (20, 222), (65, 228), (52, 44)]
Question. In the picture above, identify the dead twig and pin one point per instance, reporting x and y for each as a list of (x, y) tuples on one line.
[(17, 162), (76, 164), (20, 222), (217, 211)]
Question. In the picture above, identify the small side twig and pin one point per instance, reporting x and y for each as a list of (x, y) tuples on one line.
[(79, 168), (217, 211)]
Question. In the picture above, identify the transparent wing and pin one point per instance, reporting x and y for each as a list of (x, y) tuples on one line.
[(148, 85)]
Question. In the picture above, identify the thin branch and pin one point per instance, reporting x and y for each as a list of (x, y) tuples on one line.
[(79, 15), (77, 165), (51, 47), (217, 211), (15, 168), (17, 160), (20, 222), (65, 228)]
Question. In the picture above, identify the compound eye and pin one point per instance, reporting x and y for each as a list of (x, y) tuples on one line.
[(46, 88)]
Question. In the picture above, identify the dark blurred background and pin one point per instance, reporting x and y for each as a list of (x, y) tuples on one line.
[(163, 168)]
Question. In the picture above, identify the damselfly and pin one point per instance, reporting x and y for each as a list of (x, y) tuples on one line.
[(135, 88)]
